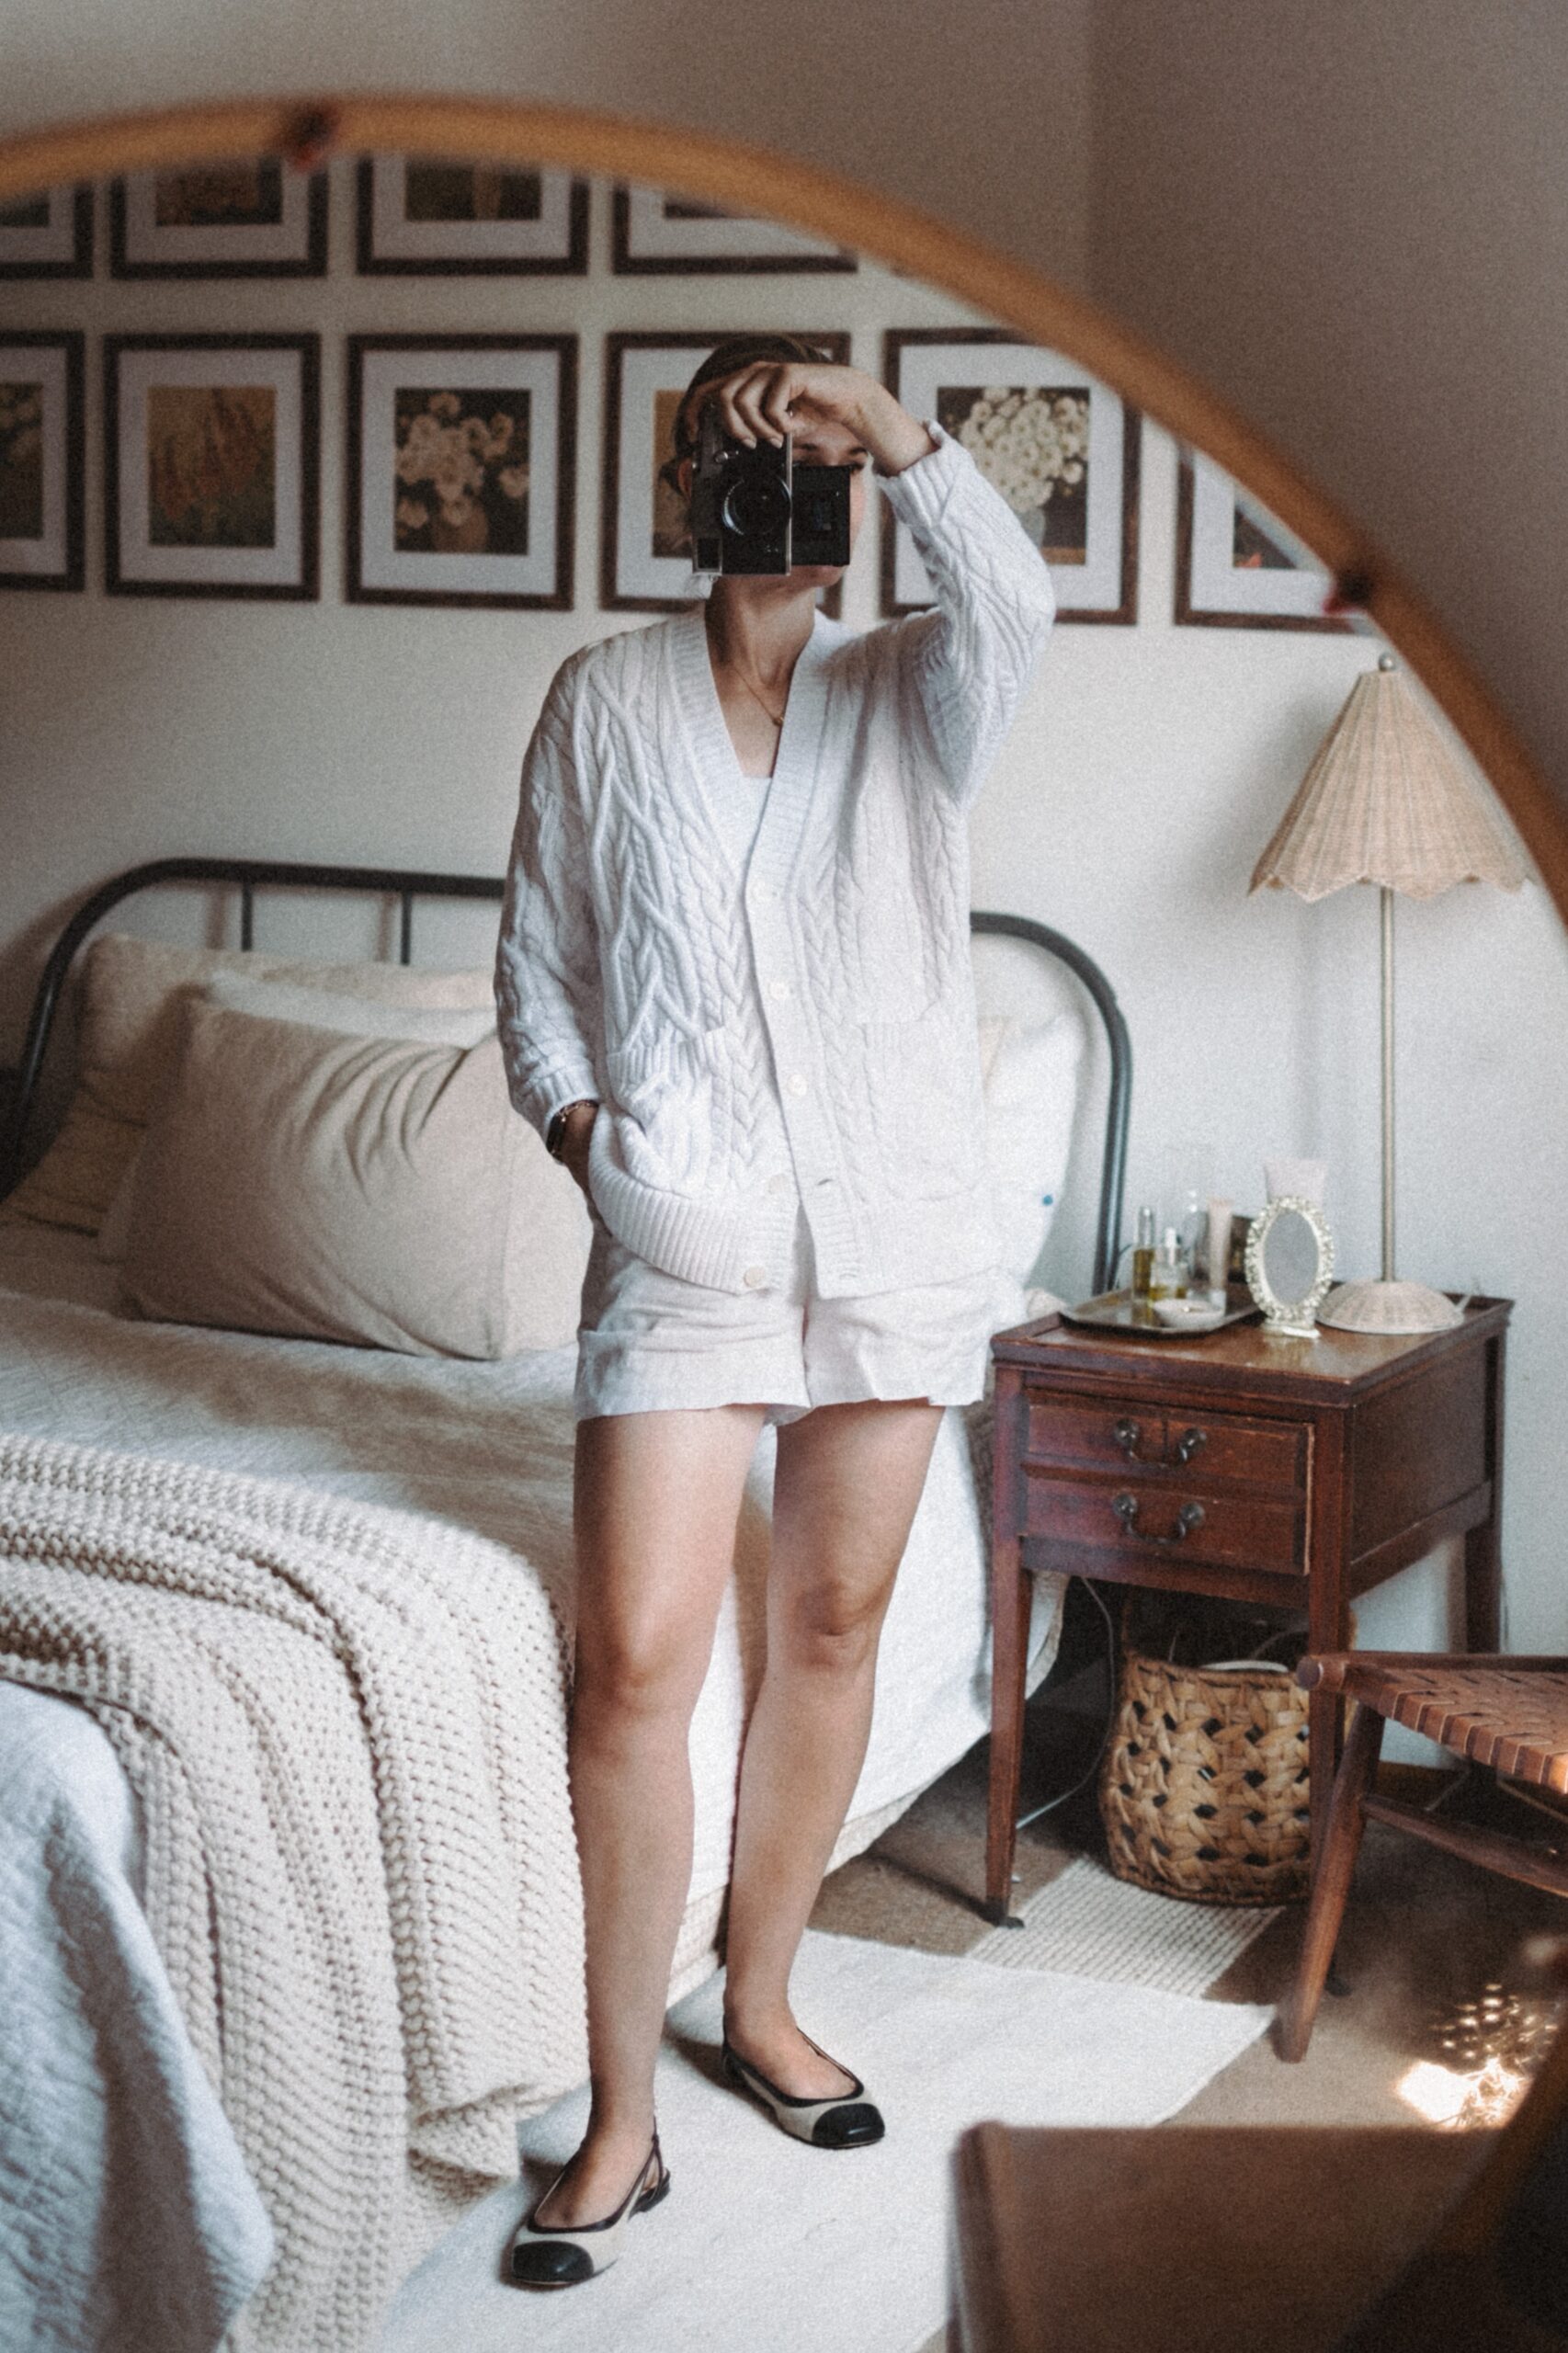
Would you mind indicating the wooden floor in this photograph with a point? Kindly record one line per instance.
(1425, 1935)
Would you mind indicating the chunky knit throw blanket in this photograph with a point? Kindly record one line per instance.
(346, 1728)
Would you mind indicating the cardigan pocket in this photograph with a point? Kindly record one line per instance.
(922, 1093)
(665, 1090)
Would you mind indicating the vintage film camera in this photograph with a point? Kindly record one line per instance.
(754, 510)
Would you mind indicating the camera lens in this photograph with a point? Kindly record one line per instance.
(755, 508)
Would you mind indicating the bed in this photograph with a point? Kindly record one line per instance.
(479, 1445)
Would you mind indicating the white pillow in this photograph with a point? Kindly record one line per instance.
(1030, 1072)
(314, 1008)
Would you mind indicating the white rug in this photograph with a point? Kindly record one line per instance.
(769, 2245)
(1088, 1924)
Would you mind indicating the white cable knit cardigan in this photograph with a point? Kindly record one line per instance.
(815, 1027)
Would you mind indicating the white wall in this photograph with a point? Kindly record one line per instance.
(1147, 770)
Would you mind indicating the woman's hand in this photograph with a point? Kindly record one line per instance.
(576, 1134)
(773, 398)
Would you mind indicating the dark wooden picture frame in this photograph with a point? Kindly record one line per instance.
(70, 574)
(628, 261)
(1267, 541)
(618, 346)
(560, 496)
(1121, 607)
(302, 494)
(78, 263)
(309, 263)
(572, 261)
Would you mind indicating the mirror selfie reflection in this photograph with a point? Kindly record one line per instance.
(695, 752)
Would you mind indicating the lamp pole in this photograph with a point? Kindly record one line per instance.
(1387, 896)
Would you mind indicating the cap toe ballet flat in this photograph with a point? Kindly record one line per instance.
(561, 2255)
(847, 2121)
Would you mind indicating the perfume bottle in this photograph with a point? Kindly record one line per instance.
(1172, 1269)
(1142, 1256)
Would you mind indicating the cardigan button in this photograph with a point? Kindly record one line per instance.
(781, 1183)
(754, 1276)
(796, 1082)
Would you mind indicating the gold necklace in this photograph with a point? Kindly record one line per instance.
(756, 693)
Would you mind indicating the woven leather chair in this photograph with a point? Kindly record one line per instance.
(1507, 1714)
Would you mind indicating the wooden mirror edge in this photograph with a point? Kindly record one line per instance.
(827, 204)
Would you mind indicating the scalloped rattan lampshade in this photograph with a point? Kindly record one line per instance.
(1386, 801)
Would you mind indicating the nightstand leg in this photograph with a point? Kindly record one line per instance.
(1010, 1595)
(1328, 1629)
(1482, 1550)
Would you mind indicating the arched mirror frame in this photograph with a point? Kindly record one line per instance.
(753, 179)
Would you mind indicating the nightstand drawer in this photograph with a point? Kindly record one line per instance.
(1143, 1437)
(1165, 1521)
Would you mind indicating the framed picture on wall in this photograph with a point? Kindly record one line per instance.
(1061, 446)
(654, 232)
(644, 565)
(463, 453)
(255, 218)
(49, 235)
(1237, 566)
(421, 217)
(211, 452)
(41, 450)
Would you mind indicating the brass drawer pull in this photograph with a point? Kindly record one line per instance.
(1188, 1445)
(1189, 1516)
(1127, 1434)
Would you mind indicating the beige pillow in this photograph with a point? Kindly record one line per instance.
(351, 1188)
(129, 996)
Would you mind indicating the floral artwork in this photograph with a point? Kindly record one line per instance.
(461, 475)
(1031, 442)
(211, 465)
(21, 461)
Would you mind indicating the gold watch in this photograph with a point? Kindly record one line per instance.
(557, 1128)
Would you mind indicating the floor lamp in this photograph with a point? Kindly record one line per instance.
(1385, 801)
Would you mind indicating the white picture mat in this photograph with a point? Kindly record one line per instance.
(1219, 585)
(42, 363)
(382, 563)
(277, 566)
(644, 371)
(288, 240)
(55, 241)
(651, 236)
(396, 238)
(926, 369)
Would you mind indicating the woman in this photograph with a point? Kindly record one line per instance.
(736, 999)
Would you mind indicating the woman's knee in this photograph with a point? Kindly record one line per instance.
(638, 1675)
(832, 1625)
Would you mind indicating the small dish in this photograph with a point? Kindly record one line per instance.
(1197, 1314)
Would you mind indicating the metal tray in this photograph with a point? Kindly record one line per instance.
(1111, 1311)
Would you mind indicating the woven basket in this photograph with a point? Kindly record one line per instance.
(1203, 1791)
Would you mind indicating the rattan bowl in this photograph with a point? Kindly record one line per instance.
(1203, 1793)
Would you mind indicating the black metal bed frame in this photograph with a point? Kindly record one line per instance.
(249, 875)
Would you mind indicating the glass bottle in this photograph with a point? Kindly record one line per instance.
(1171, 1271)
(1142, 1255)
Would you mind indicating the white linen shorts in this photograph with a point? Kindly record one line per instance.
(648, 1341)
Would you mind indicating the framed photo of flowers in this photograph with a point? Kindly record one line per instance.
(463, 453)
(1061, 446)
(211, 450)
(49, 235)
(421, 217)
(655, 233)
(41, 451)
(252, 217)
(1237, 566)
(644, 563)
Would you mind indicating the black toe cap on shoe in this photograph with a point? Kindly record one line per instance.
(537, 2263)
(854, 2125)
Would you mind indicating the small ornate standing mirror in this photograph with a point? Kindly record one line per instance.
(1289, 1265)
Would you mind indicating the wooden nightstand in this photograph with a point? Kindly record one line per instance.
(1299, 1472)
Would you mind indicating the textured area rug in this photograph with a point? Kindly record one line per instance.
(780, 2248)
(1087, 1924)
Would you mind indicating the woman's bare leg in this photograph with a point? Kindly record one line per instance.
(657, 1498)
(848, 1480)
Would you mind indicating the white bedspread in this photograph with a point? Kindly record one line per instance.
(451, 1439)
